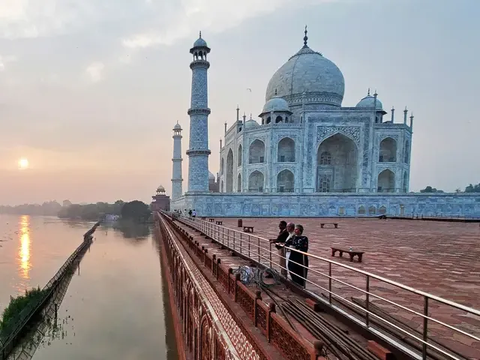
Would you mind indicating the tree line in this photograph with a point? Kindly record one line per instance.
(469, 189)
(136, 210)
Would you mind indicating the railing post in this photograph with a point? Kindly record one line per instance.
(330, 283)
(241, 243)
(270, 255)
(367, 302)
(258, 250)
(425, 328)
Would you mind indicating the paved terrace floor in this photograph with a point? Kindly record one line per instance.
(441, 258)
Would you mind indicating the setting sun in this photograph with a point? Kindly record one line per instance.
(23, 163)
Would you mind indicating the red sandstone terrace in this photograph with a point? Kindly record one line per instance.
(439, 258)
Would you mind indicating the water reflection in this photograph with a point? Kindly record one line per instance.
(132, 230)
(24, 252)
(46, 327)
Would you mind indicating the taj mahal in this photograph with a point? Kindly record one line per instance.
(308, 155)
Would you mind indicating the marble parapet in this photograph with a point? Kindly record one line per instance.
(330, 205)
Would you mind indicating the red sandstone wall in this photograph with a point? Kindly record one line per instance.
(195, 334)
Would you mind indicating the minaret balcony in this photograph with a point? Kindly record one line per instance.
(198, 152)
(198, 111)
(199, 64)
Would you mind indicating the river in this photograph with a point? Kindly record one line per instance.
(116, 306)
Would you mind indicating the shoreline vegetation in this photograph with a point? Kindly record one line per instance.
(17, 304)
(25, 309)
(134, 210)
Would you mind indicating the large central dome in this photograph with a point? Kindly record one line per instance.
(308, 72)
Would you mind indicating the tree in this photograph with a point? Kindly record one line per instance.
(136, 210)
(430, 189)
(473, 188)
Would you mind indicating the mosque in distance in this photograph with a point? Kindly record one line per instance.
(307, 155)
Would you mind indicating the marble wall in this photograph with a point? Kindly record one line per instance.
(331, 205)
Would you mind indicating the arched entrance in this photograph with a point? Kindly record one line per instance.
(337, 165)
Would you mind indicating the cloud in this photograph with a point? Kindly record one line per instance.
(95, 71)
(4, 60)
(33, 18)
(176, 22)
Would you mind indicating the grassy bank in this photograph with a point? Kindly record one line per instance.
(11, 314)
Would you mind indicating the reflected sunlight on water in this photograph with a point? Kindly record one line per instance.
(24, 252)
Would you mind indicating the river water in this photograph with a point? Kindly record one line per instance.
(116, 306)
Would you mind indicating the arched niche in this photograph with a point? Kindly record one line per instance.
(285, 181)
(256, 181)
(386, 181)
(286, 150)
(388, 150)
(240, 155)
(229, 171)
(239, 183)
(256, 152)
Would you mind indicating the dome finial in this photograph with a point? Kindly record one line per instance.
(368, 92)
(305, 38)
(200, 34)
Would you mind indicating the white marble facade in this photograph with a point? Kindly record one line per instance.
(306, 142)
(308, 155)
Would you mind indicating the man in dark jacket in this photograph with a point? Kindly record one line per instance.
(280, 240)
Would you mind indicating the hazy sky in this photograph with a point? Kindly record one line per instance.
(90, 89)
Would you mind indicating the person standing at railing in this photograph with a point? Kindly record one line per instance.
(298, 263)
(279, 242)
(291, 233)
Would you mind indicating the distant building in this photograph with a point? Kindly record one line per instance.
(111, 217)
(160, 200)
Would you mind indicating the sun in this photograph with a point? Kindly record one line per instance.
(23, 164)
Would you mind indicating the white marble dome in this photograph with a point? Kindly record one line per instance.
(369, 102)
(177, 127)
(310, 73)
(160, 189)
(275, 104)
(200, 43)
(249, 124)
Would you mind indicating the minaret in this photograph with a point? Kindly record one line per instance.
(177, 162)
(198, 152)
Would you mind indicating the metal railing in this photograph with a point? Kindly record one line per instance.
(259, 250)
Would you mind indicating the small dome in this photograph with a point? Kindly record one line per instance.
(275, 104)
(211, 176)
(369, 101)
(177, 127)
(251, 124)
(200, 42)
(160, 189)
